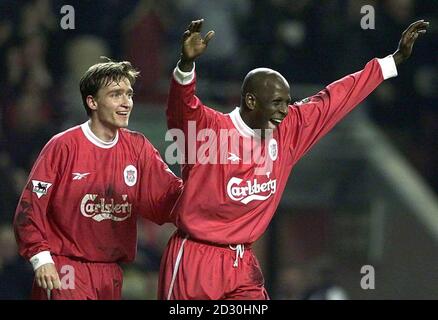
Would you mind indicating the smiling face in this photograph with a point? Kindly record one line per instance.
(272, 102)
(266, 96)
(113, 104)
(106, 90)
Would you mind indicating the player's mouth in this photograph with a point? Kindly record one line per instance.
(276, 121)
(123, 113)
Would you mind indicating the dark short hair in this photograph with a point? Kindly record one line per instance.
(102, 74)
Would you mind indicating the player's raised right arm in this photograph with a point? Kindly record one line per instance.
(193, 45)
(183, 105)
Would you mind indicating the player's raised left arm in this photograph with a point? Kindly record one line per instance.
(318, 114)
(408, 38)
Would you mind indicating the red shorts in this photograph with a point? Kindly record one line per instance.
(81, 280)
(195, 270)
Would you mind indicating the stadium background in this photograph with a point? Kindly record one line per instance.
(366, 195)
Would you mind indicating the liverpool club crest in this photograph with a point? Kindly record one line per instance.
(130, 175)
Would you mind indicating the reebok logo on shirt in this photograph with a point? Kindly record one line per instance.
(233, 157)
(79, 176)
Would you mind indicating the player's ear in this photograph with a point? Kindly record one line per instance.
(250, 101)
(91, 102)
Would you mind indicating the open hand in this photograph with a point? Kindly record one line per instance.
(193, 45)
(47, 277)
(407, 40)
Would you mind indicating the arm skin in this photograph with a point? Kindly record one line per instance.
(407, 40)
(193, 45)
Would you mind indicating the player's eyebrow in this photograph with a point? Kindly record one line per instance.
(281, 99)
(121, 90)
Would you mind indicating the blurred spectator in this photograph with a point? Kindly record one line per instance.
(283, 43)
(144, 43)
(323, 284)
(36, 17)
(13, 180)
(226, 59)
(80, 53)
(16, 275)
(30, 120)
(102, 19)
(312, 280)
(141, 277)
(292, 281)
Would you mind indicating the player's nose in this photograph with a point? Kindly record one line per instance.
(126, 102)
(284, 108)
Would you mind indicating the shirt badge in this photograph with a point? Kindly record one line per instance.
(273, 149)
(40, 188)
(130, 175)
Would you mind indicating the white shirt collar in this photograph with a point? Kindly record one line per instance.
(240, 125)
(95, 140)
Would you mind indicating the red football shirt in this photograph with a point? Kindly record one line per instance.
(84, 195)
(233, 202)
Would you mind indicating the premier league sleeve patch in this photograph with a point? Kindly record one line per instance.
(40, 188)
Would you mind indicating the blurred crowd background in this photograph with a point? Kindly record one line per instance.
(308, 41)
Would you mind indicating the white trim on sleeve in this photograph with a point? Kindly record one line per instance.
(41, 258)
(183, 77)
(389, 69)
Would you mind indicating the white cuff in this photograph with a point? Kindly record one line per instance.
(41, 258)
(184, 77)
(389, 69)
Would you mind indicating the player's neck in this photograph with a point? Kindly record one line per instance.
(249, 121)
(104, 133)
(246, 119)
